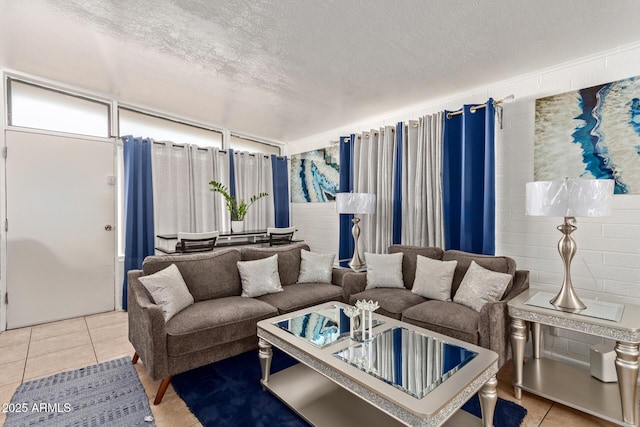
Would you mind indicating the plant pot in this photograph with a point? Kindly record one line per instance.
(237, 226)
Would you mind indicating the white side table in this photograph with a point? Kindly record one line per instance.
(570, 385)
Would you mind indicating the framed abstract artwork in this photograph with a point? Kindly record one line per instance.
(315, 175)
(590, 133)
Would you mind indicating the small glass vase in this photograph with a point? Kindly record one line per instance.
(366, 322)
(354, 322)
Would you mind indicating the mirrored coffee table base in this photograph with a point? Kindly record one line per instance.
(321, 402)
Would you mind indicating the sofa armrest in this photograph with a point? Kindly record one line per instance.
(493, 330)
(494, 319)
(353, 283)
(520, 284)
(147, 328)
(337, 275)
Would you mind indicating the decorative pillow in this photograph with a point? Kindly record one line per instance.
(168, 290)
(260, 277)
(384, 270)
(315, 268)
(480, 286)
(434, 278)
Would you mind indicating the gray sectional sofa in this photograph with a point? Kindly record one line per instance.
(488, 328)
(220, 323)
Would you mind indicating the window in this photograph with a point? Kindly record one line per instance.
(161, 129)
(36, 107)
(144, 125)
(252, 146)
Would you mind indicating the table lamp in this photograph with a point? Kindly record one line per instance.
(569, 198)
(355, 203)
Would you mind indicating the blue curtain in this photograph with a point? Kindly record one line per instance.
(468, 180)
(138, 206)
(346, 244)
(397, 187)
(280, 190)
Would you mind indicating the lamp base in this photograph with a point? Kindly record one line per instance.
(358, 267)
(567, 300)
(356, 264)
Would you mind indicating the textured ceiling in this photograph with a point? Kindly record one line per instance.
(286, 69)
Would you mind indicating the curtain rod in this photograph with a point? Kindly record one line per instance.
(172, 143)
(393, 129)
(206, 149)
(473, 109)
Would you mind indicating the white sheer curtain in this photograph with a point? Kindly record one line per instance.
(183, 201)
(422, 218)
(171, 165)
(373, 166)
(209, 210)
(253, 175)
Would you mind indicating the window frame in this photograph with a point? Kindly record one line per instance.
(8, 116)
(255, 141)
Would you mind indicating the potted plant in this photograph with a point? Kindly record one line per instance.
(237, 208)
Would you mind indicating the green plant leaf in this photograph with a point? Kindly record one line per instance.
(237, 209)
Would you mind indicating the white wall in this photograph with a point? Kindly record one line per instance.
(317, 225)
(607, 264)
(3, 234)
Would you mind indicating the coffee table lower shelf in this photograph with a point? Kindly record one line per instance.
(574, 387)
(321, 402)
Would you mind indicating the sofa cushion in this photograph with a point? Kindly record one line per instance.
(315, 267)
(195, 329)
(434, 278)
(259, 277)
(501, 264)
(288, 260)
(447, 318)
(301, 295)
(393, 301)
(384, 270)
(168, 290)
(410, 258)
(207, 275)
(481, 286)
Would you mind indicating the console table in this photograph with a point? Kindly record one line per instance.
(167, 242)
(567, 384)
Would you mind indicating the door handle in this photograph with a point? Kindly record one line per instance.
(108, 227)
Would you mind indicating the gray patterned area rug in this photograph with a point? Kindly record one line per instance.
(106, 394)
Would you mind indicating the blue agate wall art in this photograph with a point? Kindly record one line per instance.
(315, 175)
(590, 133)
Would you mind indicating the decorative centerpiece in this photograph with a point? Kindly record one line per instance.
(237, 208)
(353, 313)
(366, 322)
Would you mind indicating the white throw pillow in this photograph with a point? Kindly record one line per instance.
(168, 290)
(260, 277)
(384, 270)
(480, 286)
(434, 278)
(315, 268)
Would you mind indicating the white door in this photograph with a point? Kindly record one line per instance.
(60, 238)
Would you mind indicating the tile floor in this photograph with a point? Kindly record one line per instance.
(42, 350)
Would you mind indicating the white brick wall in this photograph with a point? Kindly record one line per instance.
(607, 264)
(317, 225)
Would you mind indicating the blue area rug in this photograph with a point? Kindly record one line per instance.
(228, 393)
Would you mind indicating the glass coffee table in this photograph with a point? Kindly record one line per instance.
(404, 375)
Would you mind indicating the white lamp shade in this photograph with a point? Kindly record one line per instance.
(355, 203)
(570, 197)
